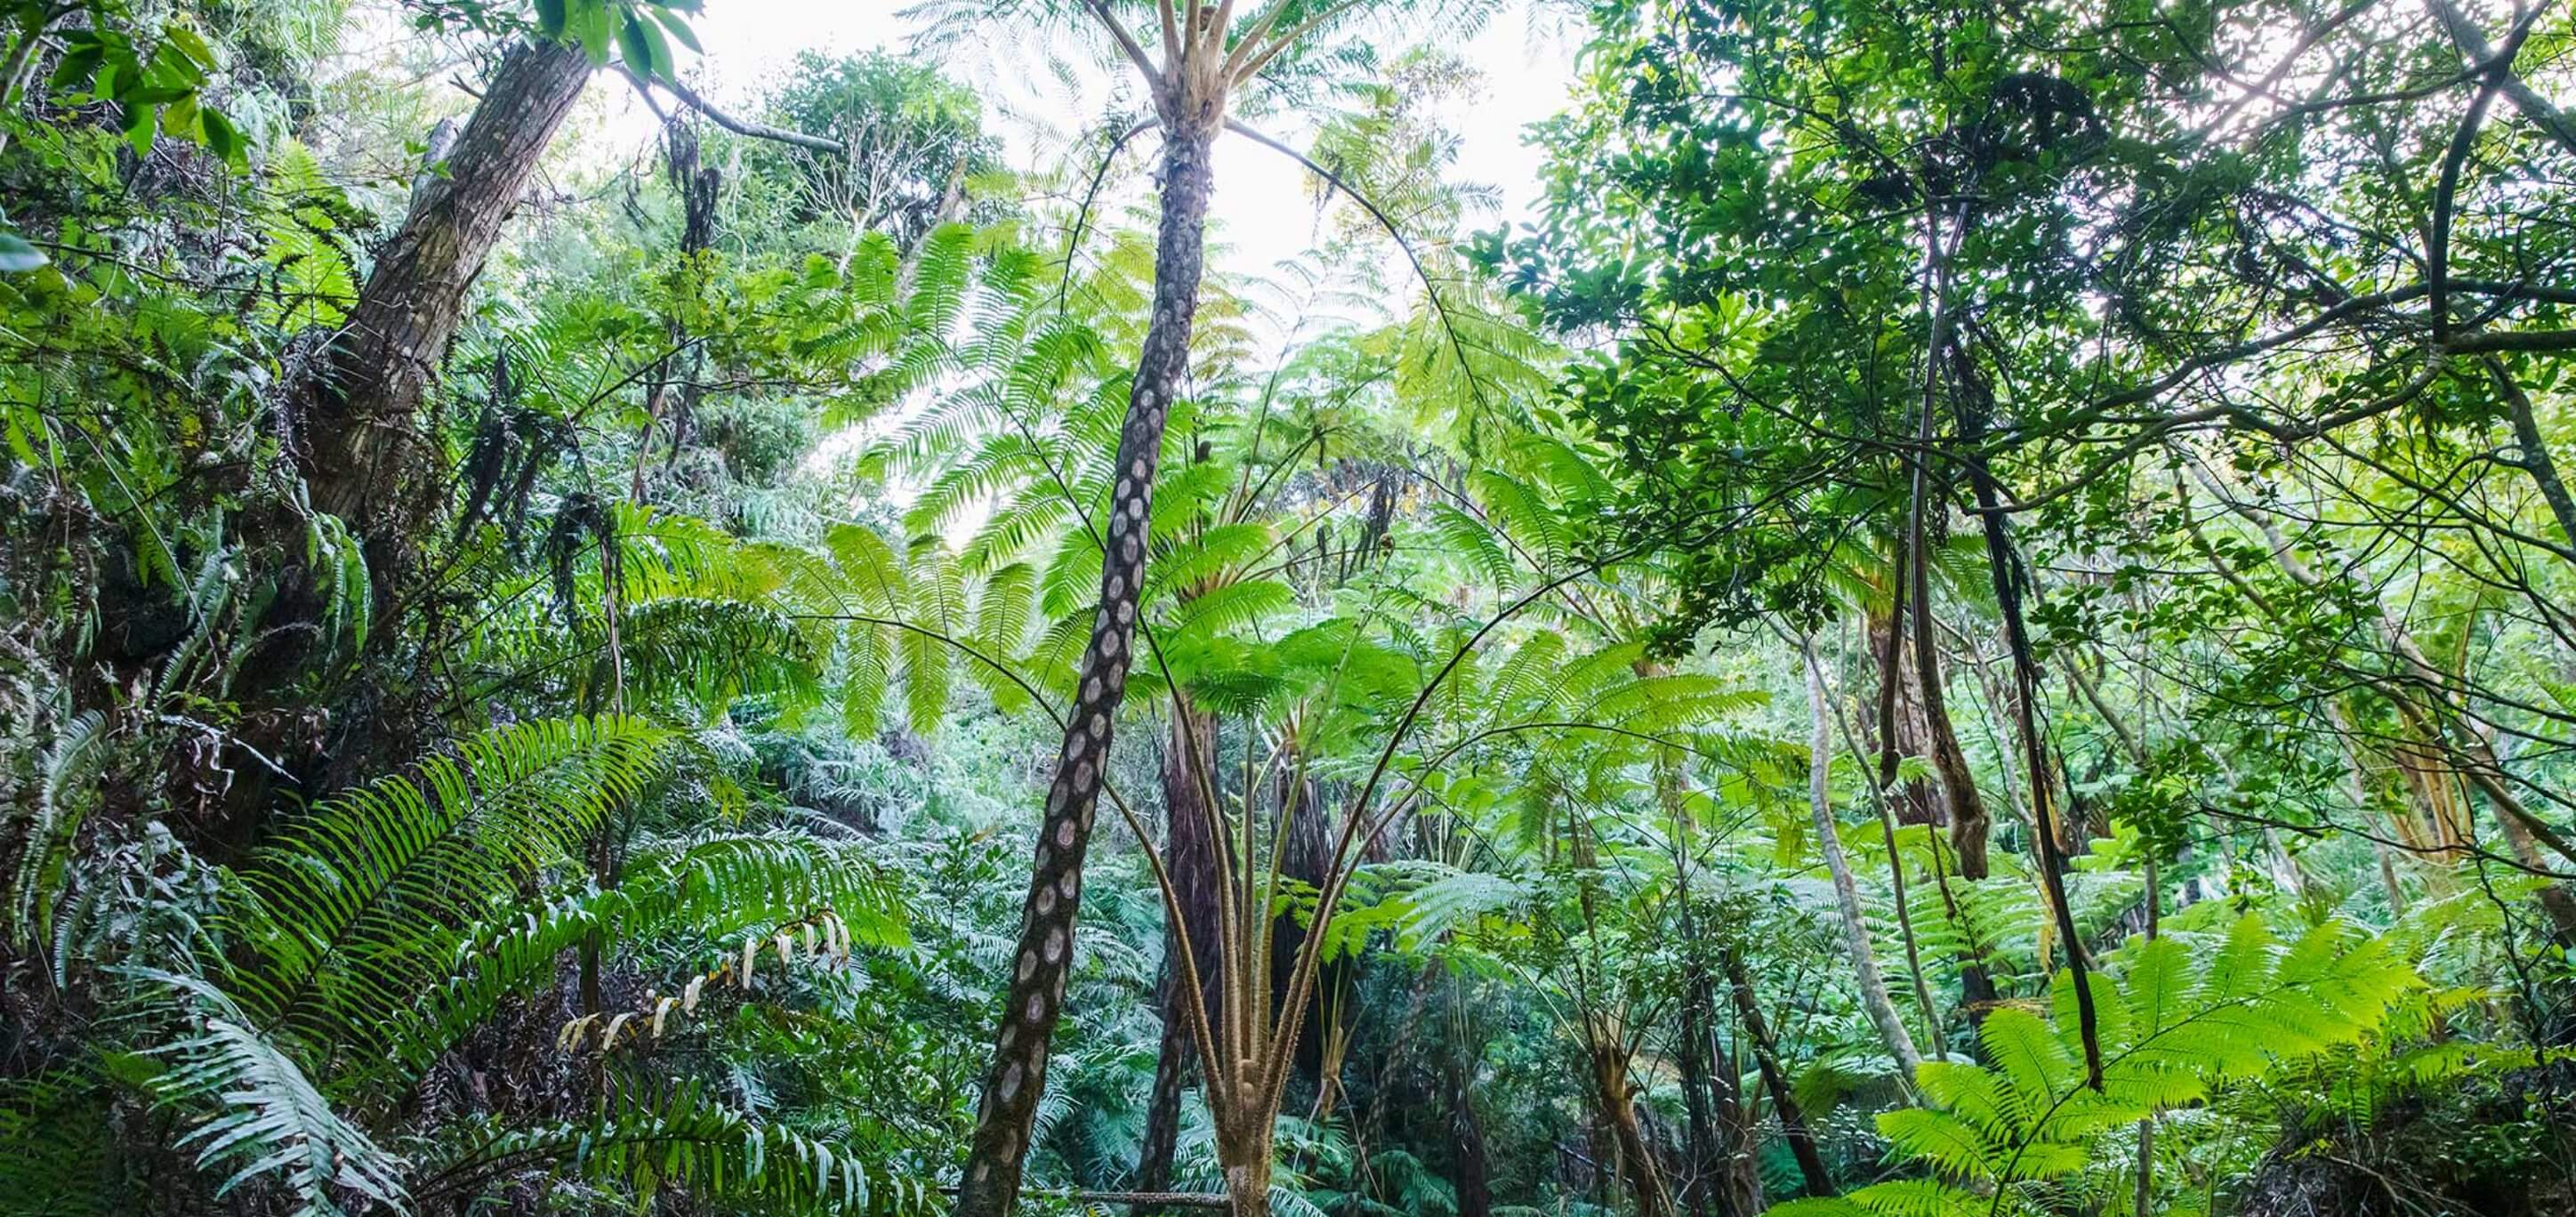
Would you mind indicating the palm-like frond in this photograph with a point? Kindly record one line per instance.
(2181, 1022)
(712, 889)
(351, 908)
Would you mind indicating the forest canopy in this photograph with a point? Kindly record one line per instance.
(1953, 609)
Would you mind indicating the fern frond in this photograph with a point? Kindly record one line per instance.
(684, 1139)
(349, 910)
(267, 1118)
(42, 842)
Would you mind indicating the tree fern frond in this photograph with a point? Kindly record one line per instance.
(712, 651)
(2172, 1028)
(1473, 542)
(1231, 607)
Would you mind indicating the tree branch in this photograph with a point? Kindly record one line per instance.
(739, 126)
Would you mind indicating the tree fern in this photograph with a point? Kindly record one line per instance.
(705, 653)
(1476, 542)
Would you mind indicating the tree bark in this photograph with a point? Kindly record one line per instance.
(363, 446)
(2003, 567)
(1247, 1177)
(1609, 1061)
(2470, 757)
(2535, 459)
(1163, 1110)
(1873, 986)
(1036, 994)
(1970, 823)
(1475, 1190)
(2560, 126)
(1305, 844)
(1900, 728)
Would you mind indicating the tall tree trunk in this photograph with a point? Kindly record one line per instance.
(1189, 856)
(1784, 1101)
(2146, 1183)
(1045, 956)
(361, 437)
(2003, 567)
(1902, 729)
(1970, 822)
(1873, 986)
(1703, 1163)
(2469, 755)
(1163, 1110)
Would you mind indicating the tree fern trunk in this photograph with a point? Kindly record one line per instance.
(1619, 1111)
(1724, 1181)
(1475, 1190)
(1045, 955)
(1247, 1178)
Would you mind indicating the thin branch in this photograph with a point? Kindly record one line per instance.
(739, 126)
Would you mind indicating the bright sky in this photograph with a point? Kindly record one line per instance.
(1262, 211)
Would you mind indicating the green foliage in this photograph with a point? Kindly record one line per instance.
(154, 76)
(351, 908)
(684, 1139)
(915, 145)
(640, 32)
(269, 1117)
(2181, 1022)
(643, 824)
